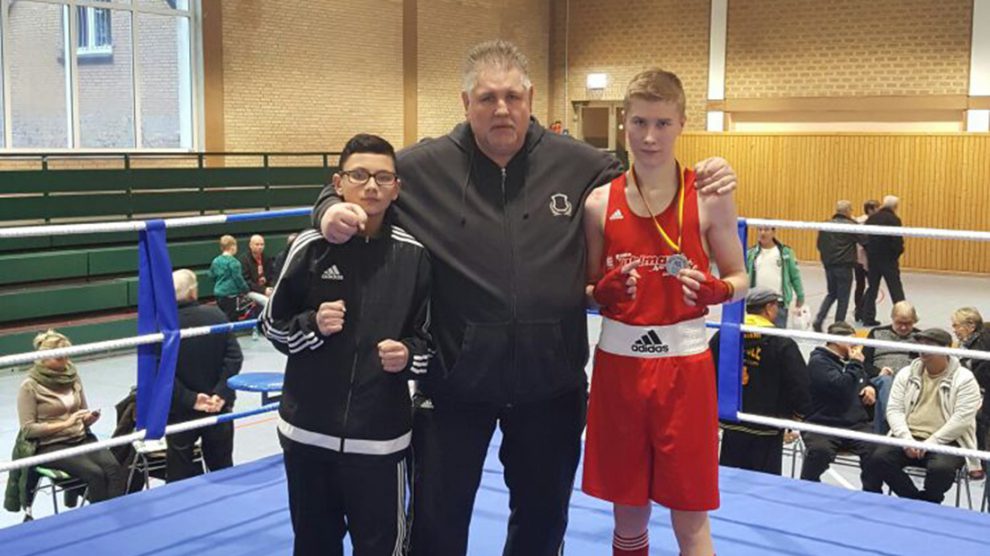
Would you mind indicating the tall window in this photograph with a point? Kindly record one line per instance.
(95, 33)
(83, 77)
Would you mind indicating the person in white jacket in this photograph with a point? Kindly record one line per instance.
(934, 400)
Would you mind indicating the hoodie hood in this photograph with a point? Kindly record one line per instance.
(463, 137)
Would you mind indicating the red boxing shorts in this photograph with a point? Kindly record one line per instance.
(653, 418)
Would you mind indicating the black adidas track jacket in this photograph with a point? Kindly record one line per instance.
(336, 396)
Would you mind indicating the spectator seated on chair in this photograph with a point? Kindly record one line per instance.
(775, 384)
(967, 324)
(934, 400)
(54, 414)
(200, 389)
(883, 363)
(840, 394)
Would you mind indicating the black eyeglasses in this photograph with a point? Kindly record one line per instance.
(360, 176)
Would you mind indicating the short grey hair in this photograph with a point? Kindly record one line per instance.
(185, 283)
(498, 53)
(891, 201)
(844, 207)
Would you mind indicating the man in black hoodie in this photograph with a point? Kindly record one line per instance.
(840, 393)
(498, 203)
(838, 253)
(883, 254)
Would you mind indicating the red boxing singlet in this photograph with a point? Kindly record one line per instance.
(659, 299)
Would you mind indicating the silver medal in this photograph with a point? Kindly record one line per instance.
(675, 263)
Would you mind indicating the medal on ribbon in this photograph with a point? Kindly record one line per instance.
(675, 263)
(678, 261)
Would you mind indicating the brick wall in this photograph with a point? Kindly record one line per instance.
(798, 48)
(303, 75)
(623, 38)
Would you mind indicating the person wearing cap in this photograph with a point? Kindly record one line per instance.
(775, 384)
(840, 395)
(934, 400)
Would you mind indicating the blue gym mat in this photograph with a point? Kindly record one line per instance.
(242, 512)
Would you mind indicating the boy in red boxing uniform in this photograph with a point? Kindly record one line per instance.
(652, 417)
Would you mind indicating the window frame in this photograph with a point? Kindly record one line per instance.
(91, 24)
(191, 131)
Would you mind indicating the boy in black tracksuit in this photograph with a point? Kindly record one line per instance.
(353, 319)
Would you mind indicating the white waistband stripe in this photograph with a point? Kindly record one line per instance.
(671, 340)
(346, 446)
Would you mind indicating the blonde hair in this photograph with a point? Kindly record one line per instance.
(184, 281)
(904, 308)
(50, 339)
(970, 316)
(499, 54)
(656, 85)
(226, 242)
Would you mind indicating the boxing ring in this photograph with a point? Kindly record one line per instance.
(243, 510)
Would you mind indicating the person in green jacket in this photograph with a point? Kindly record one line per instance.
(228, 282)
(772, 264)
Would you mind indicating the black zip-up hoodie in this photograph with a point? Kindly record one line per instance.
(509, 256)
(335, 385)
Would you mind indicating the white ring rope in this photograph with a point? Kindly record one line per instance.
(108, 345)
(42, 459)
(930, 233)
(131, 225)
(864, 436)
(869, 342)
(137, 225)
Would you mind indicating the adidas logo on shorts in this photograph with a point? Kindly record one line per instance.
(332, 274)
(650, 343)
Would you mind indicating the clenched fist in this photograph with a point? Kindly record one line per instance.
(394, 355)
(330, 317)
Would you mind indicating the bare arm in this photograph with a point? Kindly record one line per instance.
(719, 224)
(594, 233)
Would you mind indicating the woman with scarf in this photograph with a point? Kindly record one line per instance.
(53, 413)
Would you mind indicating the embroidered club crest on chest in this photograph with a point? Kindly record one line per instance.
(560, 205)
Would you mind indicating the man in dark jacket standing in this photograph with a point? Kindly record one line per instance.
(200, 390)
(498, 203)
(775, 384)
(838, 254)
(840, 394)
(883, 254)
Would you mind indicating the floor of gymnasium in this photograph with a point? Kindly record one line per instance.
(107, 380)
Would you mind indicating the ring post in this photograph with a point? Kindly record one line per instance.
(730, 352)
